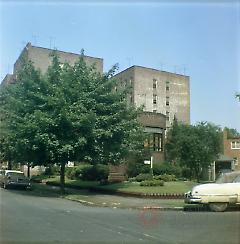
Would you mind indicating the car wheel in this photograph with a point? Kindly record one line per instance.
(218, 207)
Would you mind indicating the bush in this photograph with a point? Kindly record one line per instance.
(143, 177)
(75, 173)
(52, 170)
(152, 183)
(136, 168)
(187, 173)
(165, 177)
(167, 168)
(133, 179)
(97, 172)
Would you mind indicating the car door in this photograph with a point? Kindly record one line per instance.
(236, 187)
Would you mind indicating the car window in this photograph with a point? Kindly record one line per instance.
(14, 174)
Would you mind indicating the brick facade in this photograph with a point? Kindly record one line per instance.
(231, 148)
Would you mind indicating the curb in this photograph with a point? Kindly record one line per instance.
(91, 204)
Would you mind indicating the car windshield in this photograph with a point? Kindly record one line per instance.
(227, 178)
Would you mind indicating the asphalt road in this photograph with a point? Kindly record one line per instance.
(31, 219)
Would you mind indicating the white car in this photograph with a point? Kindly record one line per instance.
(217, 195)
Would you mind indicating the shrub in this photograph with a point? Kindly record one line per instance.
(133, 179)
(143, 177)
(52, 170)
(167, 168)
(75, 173)
(135, 164)
(136, 168)
(96, 172)
(165, 177)
(152, 183)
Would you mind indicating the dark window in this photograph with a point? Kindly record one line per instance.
(154, 83)
(154, 142)
(154, 99)
(167, 115)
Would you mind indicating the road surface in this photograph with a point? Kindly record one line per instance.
(30, 219)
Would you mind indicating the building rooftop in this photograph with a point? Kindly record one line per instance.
(156, 70)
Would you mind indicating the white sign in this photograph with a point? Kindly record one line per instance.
(147, 162)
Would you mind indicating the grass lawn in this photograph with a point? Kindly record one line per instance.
(169, 187)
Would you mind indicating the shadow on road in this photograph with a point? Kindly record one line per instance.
(205, 208)
(42, 190)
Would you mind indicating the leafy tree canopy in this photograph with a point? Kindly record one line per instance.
(194, 147)
(70, 113)
(232, 133)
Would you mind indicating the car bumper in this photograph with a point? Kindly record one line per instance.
(188, 198)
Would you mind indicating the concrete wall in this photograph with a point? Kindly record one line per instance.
(42, 60)
(178, 94)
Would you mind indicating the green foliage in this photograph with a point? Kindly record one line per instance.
(72, 113)
(167, 168)
(135, 164)
(165, 177)
(95, 172)
(75, 173)
(194, 147)
(52, 170)
(232, 133)
(238, 96)
(152, 183)
(143, 177)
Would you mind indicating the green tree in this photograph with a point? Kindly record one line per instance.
(232, 133)
(238, 96)
(71, 113)
(194, 147)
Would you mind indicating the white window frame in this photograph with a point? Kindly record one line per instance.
(235, 145)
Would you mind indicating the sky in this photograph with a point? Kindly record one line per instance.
(199, 39)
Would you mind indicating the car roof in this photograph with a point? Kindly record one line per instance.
(13, 171)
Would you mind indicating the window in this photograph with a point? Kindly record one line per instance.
(237, 179)
(167, 101)
(154, 99)
(157, 142)
(167, 115)
(154, 83)
(153, 142)
(167, 85)
(235, 145)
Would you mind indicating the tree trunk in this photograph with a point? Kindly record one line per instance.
(9, 165)
(28, 170)
(62, 177)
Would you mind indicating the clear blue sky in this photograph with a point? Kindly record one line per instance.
(204, 38)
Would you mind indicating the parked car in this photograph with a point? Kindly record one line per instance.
(217, 195)
(13, 178)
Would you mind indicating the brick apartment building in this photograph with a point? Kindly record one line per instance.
(231, 148)
(230, 159)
